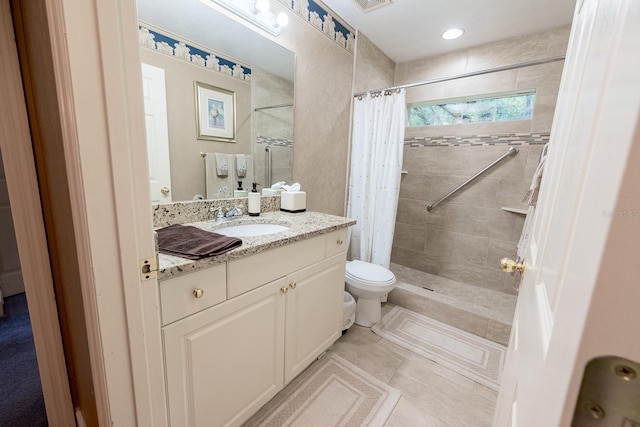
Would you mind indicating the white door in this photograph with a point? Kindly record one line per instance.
(155, 112)
(591, 141)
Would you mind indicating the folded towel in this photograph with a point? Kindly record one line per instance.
(241, 165)
(191, 242)
(222, 168)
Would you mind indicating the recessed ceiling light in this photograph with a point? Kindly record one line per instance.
(453, 33)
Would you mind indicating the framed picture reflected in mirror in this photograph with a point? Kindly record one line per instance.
(216, 113)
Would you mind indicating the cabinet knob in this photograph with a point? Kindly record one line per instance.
(339, 241)
(293, 285)
(198, 293)
(284, 289)
(164, 190)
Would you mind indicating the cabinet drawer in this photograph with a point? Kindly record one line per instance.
(336, 242)
(248, 273)
(178, 295)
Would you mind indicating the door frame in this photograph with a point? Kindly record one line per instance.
(98, 80)
(98, 58)
(22, 186)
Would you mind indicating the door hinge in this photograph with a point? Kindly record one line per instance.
(148, 269)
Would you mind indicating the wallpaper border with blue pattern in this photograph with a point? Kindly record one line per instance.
(172, 45)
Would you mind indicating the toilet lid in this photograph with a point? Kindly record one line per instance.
(367, 272)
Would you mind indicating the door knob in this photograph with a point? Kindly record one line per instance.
(509, 266)
(164, 190)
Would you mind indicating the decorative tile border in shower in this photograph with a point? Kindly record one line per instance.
(498, 139)
(279, 142)
(324, 20)
(172, 45)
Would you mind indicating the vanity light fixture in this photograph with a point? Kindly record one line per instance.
(261, 6)
(255, 11)
(453, 33)
(282, 19)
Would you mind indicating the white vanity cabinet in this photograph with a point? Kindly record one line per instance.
(313, 313)
(224, 362)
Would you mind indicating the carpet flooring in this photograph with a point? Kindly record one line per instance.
(332, 392)
(21, 401)
(471, 356)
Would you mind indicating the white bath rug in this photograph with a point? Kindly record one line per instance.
(469, 355)
(331, 392)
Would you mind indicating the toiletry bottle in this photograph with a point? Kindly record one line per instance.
(254, 201)
(239, 192)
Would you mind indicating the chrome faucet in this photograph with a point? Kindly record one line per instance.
(235, 211)
(220, 214)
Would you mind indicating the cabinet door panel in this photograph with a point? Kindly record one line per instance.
(314, 313)
(226, 362)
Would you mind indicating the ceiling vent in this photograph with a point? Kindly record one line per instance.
(369, 5)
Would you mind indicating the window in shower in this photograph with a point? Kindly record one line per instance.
(484, 108)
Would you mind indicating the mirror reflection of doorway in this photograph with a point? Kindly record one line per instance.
(21, 398)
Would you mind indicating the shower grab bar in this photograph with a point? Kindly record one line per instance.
(512, 151)
(269, 165)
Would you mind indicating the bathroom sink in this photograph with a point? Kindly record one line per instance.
(247, 230)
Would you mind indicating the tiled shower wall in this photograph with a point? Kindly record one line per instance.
(465, 237)
(272, 127)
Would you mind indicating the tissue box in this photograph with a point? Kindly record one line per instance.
(293, 201)
(270, 192)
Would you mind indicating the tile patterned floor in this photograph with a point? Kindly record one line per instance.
(432, 396)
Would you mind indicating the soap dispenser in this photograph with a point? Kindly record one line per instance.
(239, 192)
(254, 201)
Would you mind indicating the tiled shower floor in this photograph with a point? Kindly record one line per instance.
(483, 312)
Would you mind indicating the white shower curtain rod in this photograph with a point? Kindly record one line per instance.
(471, 74)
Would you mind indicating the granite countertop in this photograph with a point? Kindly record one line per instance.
(303, 225)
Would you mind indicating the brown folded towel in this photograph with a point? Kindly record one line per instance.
(193, 243)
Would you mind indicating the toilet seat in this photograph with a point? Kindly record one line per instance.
(364, 273)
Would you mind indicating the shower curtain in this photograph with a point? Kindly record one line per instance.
(374, 182)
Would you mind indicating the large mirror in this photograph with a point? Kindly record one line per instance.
(188, 47)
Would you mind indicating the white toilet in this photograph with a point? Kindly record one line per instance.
(368, 283)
